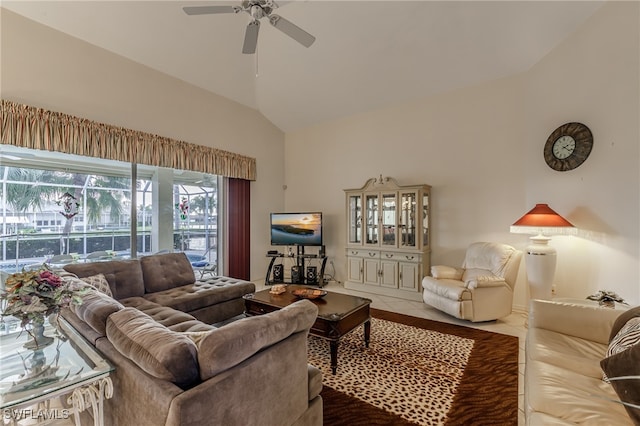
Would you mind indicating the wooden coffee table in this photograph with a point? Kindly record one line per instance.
(338, 314)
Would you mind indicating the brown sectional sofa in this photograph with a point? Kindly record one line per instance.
(174, 367)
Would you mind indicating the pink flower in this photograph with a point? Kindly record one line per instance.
(50, 278)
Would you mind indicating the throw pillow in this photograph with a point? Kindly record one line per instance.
(622, 365)
(622, 319)
(100, 283)
(95, 309)
(628, 336)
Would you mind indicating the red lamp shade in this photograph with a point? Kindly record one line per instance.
(541, 257)
(543, 216)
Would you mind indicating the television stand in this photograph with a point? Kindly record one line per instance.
(307, 268)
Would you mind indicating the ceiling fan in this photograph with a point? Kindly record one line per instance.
(257, 9)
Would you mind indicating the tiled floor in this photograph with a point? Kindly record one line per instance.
(513, 325)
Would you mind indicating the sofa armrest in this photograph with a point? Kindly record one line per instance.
(586, 322)
(477, 278)
(225, 347)
(261, 379)
(442, 272)
(486, 283)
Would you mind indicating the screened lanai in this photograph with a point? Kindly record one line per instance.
(59, 207)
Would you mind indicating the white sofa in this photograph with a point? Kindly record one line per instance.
(563, 376)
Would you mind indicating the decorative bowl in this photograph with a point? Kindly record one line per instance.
(309, 293)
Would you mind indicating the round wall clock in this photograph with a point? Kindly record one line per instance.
(568, 146)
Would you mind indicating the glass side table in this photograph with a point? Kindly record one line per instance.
(30, 379)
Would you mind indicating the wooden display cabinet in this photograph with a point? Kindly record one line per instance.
(388, 241)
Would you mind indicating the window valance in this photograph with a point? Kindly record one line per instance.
(37, 128)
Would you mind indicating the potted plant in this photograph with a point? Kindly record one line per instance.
(607, 298)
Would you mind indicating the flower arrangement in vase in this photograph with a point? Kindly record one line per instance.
(31, 296)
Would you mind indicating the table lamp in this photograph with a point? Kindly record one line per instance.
(541, 221)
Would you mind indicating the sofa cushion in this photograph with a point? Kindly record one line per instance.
(165, 271)
(625, 363)
(95, 308)
(173, 319)
(160, 352)
(202, 294)
(228, 346)
(571, 397)
(124, 276)
(488, 255)
(99, 282)
(571, 353)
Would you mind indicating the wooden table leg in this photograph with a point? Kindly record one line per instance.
(367, 332)
(333, 345)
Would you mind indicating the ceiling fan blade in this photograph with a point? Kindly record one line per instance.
(292, 30)
(251, 37)
(206, 10)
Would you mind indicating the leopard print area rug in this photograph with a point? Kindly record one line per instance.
(419, 372)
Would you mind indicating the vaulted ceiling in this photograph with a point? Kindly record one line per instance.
(367, 54)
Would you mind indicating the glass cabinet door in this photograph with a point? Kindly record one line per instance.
(355, 219)
(408, 203)
(371, 212)
(389, 219)
(425, 220)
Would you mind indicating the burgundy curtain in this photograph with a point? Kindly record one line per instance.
(239, 192)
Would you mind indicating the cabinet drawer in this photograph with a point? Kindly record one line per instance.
(364, 253)
(409, 257)
(401, 256)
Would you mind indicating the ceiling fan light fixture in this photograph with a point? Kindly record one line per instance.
(257, 9)
(256, 12)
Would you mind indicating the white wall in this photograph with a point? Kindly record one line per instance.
(46, 68)
(594, 78)
(481, 150)
(467, 145)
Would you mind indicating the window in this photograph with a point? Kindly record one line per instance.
(53, 203)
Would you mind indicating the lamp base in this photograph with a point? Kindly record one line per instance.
(541, 267)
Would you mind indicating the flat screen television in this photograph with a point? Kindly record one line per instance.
(296, 229)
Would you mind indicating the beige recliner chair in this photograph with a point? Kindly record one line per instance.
(482, 289)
